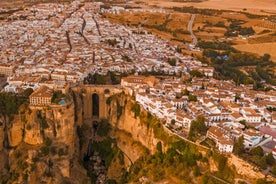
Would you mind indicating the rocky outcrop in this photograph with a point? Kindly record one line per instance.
(16, 131)
(129, 146)
(126, 121)
(243, 168)
(44, 145)
(33, 127)
(62, 128)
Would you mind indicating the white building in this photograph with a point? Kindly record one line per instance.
(251, 138)
(224, 142)
(250, 115)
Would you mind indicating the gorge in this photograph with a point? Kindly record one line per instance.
(102, 135)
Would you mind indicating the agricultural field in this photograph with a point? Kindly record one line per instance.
(260, 48)
(251, 6)
(166, 25)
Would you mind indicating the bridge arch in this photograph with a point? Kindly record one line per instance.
(94, 100)
(95, 105)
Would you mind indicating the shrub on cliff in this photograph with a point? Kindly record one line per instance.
(103, 129)
(47, 141)
(44, 150)
(119, 109)
(136, 109)
(177, 162)
(105, 149)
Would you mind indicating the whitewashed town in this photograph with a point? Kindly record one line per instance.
(55, 46)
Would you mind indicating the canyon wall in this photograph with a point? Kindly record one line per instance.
(125, 120)
(44, 145)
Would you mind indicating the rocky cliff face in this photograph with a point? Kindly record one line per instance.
(44, 146)
(122, 118)
(33, 125)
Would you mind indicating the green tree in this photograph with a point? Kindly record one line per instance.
(198, 128)
(239, 146)
(172, 61)
(266, 57)
(159, 147)
(57, 96)
(173, 121)
(270, 159)
(9, 104)
(273, 170)
(99, 79)
(192, 98)
(196, 73)
(262, 163)
(113, 78)
(136, 109)
(221, 160)
(27, 92)
(257, 151)
(186, 92)
(262, 181)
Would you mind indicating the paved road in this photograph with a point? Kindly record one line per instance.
(242, 180)
(190, 29)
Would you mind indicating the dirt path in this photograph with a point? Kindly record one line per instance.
(190, 29)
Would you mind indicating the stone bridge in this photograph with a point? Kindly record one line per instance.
(94, 99)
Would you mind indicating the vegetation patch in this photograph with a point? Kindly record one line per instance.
(136, 109)
(224, 171)
(119, 109)
(154, 123)
(198, 128)
(227, 63)
(103, 128)
(208, 143)
(177, 162)
(10, 103)
(106, 149)
(58, 96)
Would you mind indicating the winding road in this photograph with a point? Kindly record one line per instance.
(190, 29)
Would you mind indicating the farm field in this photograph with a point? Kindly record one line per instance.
(259, 49)
(252, 6)
(166, 25)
